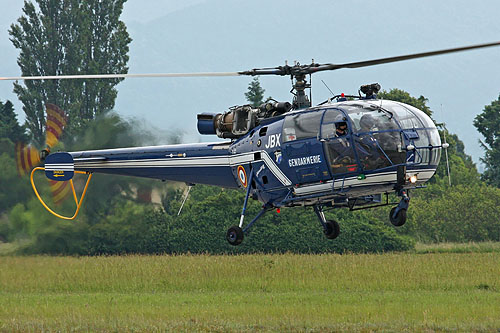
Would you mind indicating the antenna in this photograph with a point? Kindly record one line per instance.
(331, 92)
(310, 84)
(185, 198)
(310, 89)
(446, 145)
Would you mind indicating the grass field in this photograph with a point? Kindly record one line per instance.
(387, 292)
(482, 247)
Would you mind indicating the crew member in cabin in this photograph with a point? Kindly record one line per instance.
(341, 129)
(340, 150)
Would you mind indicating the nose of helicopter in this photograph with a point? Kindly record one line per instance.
(379, 137)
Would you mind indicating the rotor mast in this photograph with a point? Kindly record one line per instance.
(300, 99)
(297, 74)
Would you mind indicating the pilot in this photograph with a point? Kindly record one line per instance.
(389, 140)
(340, 149)
(366, 123)
(367, 146)
(340, 129)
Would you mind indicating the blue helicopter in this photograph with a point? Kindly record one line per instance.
(348, 151)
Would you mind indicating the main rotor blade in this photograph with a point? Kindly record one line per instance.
(380, 61)
(281, 70)
(118, 76)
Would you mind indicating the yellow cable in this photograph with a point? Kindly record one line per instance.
(78, 203)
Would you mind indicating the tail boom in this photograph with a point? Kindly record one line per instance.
(191, 163)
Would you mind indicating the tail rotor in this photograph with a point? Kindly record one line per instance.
(55, 123)
(28, 156)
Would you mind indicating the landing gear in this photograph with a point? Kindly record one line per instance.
(397, 216)
(235, 235)
(331, 228)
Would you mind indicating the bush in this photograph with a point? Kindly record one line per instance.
(202, 226)
(66, 238)
(455, 214)
(120, 233)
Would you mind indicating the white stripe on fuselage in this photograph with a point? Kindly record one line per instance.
(244, 158)
(205, 161)
(371, 179)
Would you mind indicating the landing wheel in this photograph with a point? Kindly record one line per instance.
(234, 235)
(400, 218)
(332, 229)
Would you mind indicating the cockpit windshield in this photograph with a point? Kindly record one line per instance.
(425, 119)
(371, 119)
(378, 135)
(377, 140)
(420, 132)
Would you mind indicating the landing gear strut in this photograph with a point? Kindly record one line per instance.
(331, 228)
(236, 233)
(397, 216)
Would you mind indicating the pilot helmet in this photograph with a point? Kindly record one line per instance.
(366, 122)
(341, 125)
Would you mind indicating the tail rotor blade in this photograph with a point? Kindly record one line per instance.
(27, 157)
(56, 121)
(60, 190)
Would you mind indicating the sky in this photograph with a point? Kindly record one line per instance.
(235, 35)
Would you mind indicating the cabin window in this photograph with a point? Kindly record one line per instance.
(435, 140)
(406, 118)
(423, 153)
(379, 150)
(341, 156)
(302, 125)
(332, 120)
(336, 134)
(424, 118)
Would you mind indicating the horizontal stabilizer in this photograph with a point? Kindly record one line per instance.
(59, 166)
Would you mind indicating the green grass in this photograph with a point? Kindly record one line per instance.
(8, 248)
(480, 247)
(389, 292)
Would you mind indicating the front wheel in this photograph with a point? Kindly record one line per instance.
(400, 217)
(332, 229)
(234, 235)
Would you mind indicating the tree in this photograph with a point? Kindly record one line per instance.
(255, 93)
(13, 190)
(462, 169)
(69, 37)
(9, 126)
(488, 124)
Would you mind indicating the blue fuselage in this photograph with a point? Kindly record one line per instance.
(294, 158)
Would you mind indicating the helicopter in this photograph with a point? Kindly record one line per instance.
(346, 152)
